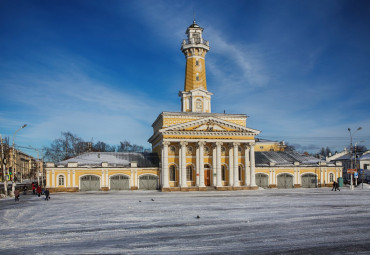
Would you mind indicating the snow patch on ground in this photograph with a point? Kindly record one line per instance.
(263, 221)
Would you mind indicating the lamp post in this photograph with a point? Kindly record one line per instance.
(14, 163)
(351, 151)
(5, 179)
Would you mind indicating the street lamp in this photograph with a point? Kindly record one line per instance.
(14, 163)
(351, 151)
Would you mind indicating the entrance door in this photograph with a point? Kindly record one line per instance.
(262, 180)
(285, 181)
(119, 182)
(207, 177)
(148, 182)
(90, 183)
(309, 181)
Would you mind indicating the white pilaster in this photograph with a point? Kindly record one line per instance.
(53, 178)
(69, 178)
(107, 178)
(201, 163)
(236, 164)
(253, 167)
(132, 178)
(102, 179)
(218, 164)
(47, 179)
(247, 169)
(183, 164)
(231, 165)
(74, 178)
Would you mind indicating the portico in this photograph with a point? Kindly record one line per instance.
(237, 164)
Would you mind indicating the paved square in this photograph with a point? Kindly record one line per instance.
(296, 221)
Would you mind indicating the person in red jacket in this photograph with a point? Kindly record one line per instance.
(33, 189)
(39, 190)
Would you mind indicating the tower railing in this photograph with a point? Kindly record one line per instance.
(195, 41)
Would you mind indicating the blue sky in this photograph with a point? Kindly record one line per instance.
(104, 70)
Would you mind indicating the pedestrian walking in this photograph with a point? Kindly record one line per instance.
(337, 186)
(16, 195)
(334, 186)
(47, 194)
(38, 191)
(25, 190)
(33, 189)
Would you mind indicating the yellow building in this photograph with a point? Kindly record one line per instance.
(94, 171)
(195, 149)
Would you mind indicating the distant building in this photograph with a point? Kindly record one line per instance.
(196, 149)
(21, 164)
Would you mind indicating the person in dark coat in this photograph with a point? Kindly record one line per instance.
(334, 186)
(38, 191)
(46, 192)
(16, 195)
(337, 186)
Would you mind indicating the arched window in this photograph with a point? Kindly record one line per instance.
(189, 150)
(331, 177)
(223, 173)
(172, 149)
(172, 173)
(189, 173)
(61, 180)
(240, 172)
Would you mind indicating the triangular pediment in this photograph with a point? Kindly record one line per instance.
(210, 124)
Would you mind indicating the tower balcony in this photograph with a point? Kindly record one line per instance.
(195, 43)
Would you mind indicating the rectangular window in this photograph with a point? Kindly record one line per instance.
(197, 62)
(61, 180)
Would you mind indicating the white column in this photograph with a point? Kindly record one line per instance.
(74, 178)
(197, 167)
(299, 176)
(231, 165)
(183, 164)
(253, 167)
(165, 183)
(218, 164)
(236, 164)
(201, 163)
(247, 170)
(213, 177)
